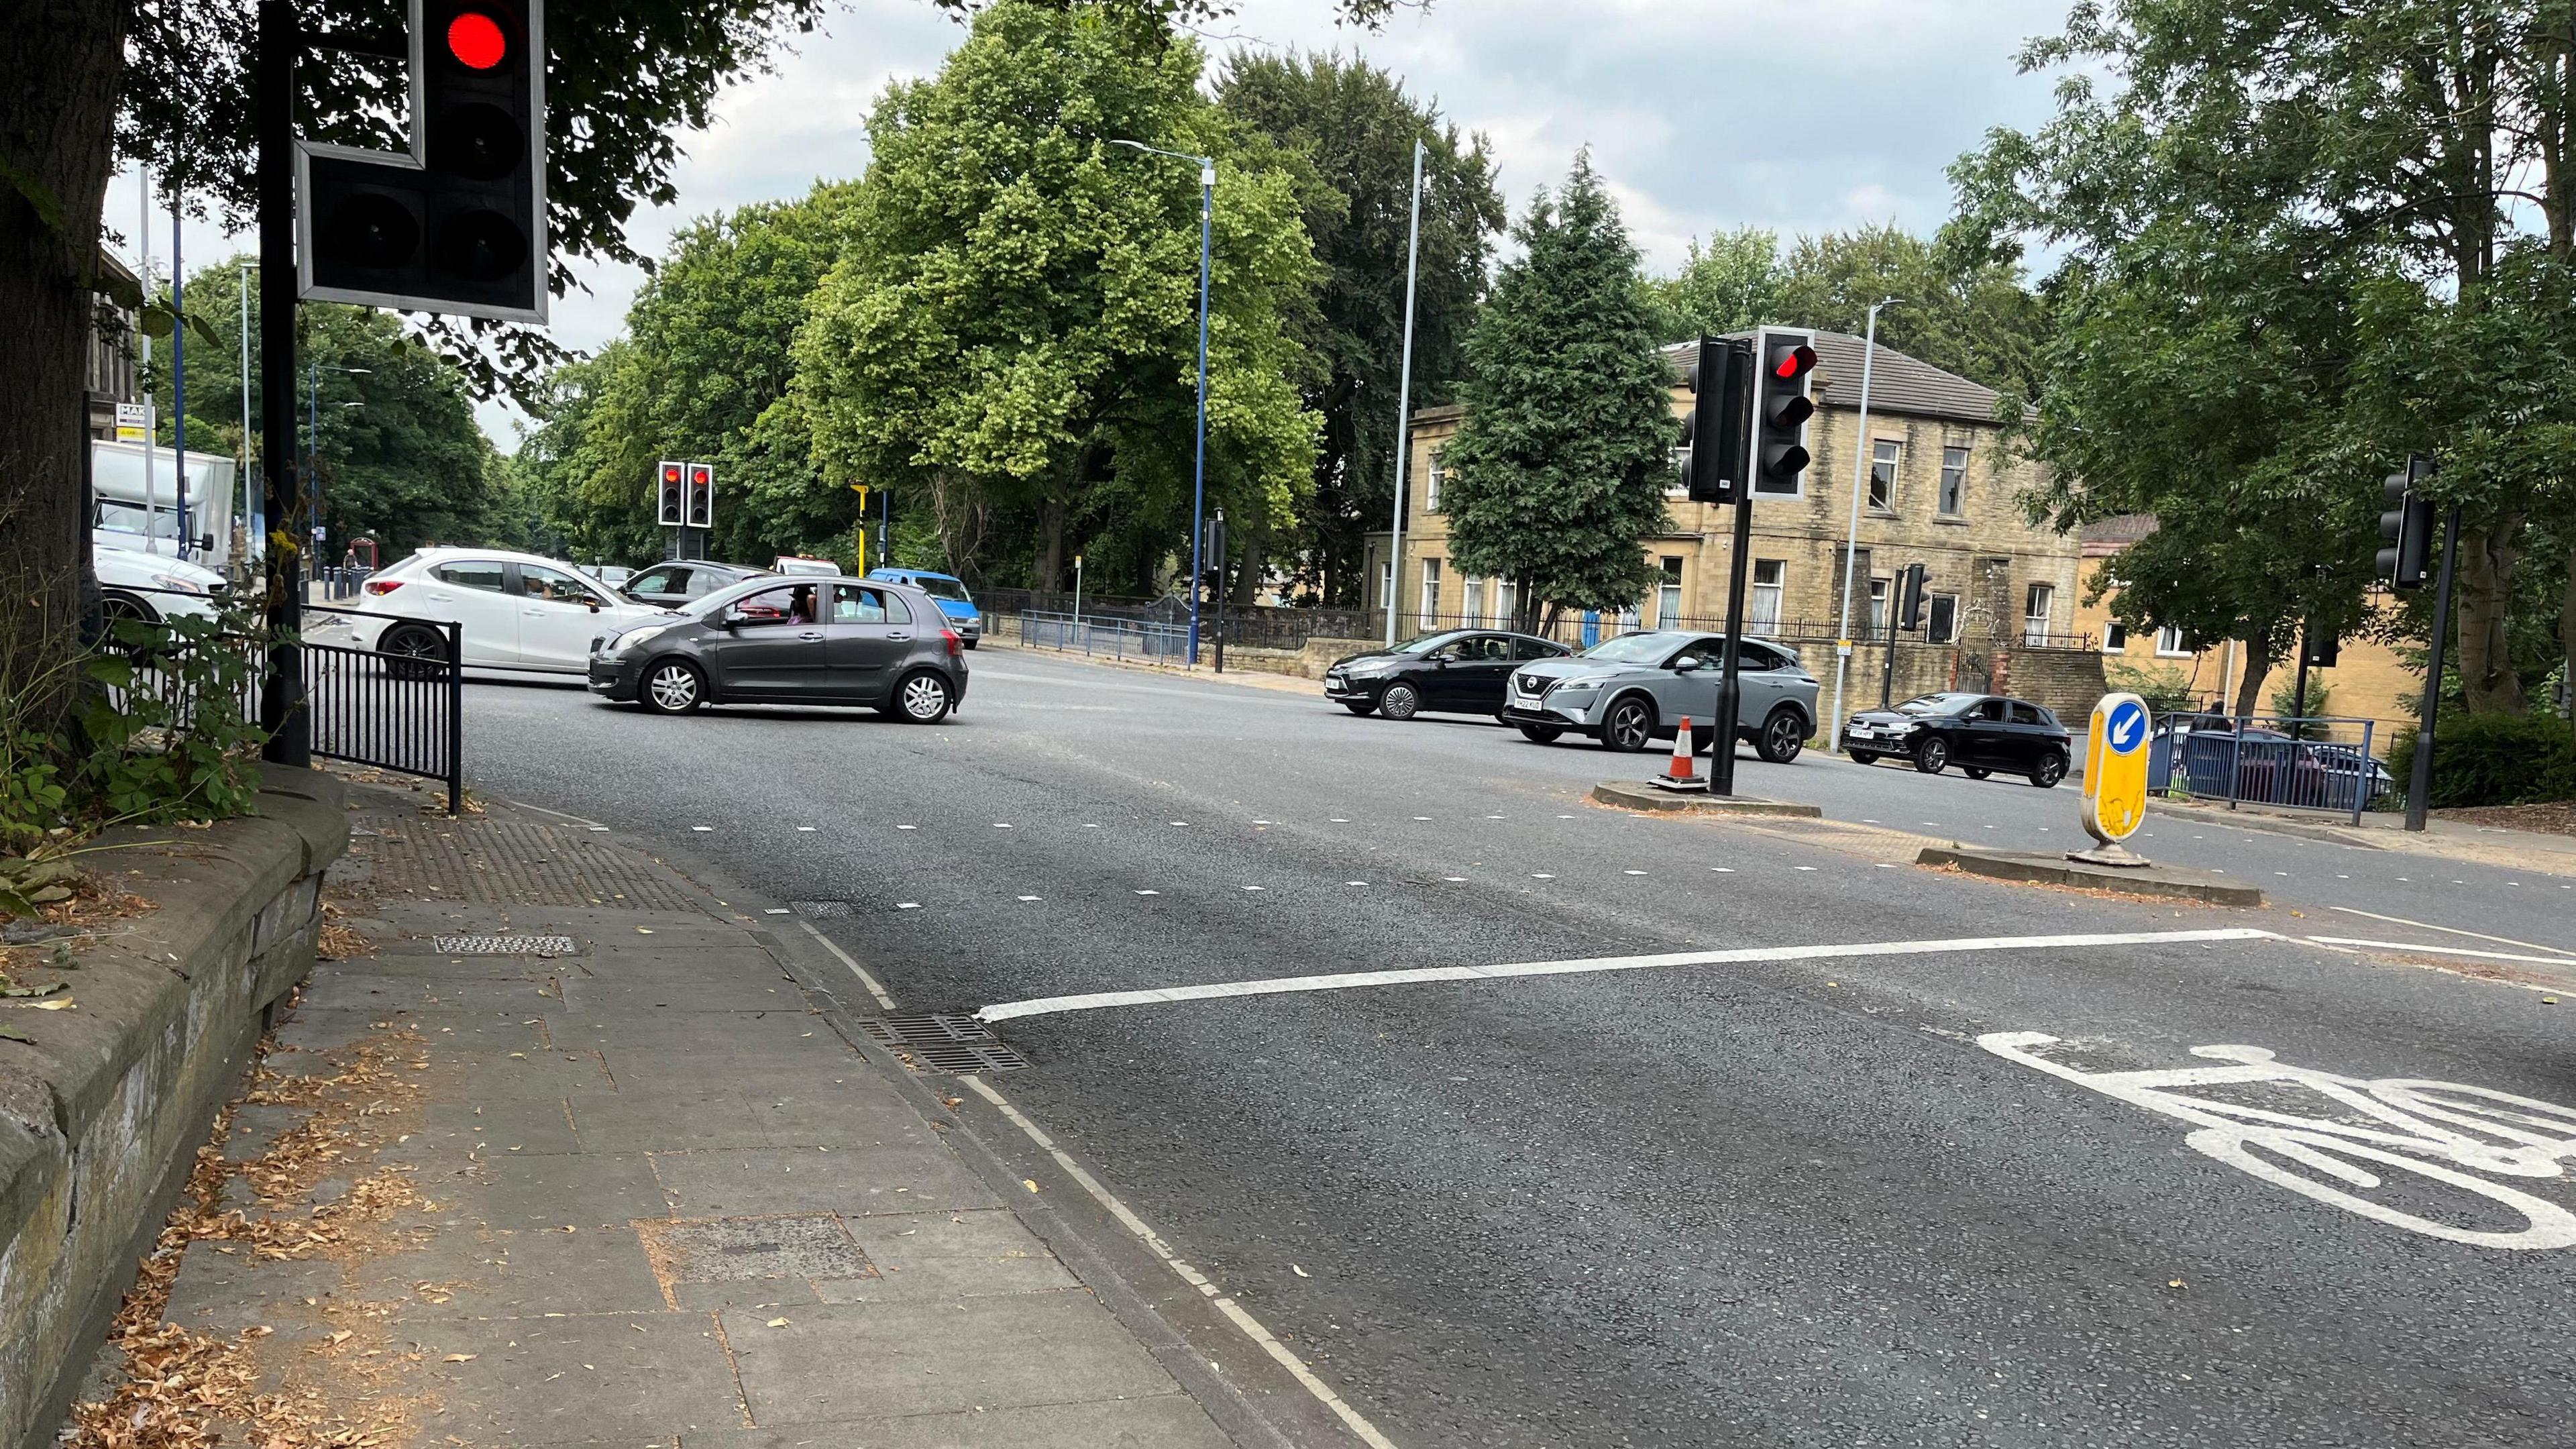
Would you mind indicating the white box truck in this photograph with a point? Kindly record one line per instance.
(128, 513)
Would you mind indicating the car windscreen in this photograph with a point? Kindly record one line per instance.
(939, 588)
(1426, 643)
(1632, 649)
(1938, 703)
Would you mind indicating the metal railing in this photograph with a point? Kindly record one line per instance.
(399, 712)
(1118, 638)
(2322, 764)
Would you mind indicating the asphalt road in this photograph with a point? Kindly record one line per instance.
(1782, 1201)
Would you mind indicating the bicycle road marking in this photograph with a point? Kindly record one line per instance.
(2447, 1132)
(1351, 980)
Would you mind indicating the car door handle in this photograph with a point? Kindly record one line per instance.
(809, 634)
(900, 638)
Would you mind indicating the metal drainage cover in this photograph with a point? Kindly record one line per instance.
(503, 945)
(823, 910)
(954, 1044)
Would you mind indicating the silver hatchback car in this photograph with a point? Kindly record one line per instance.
(805, 640)
(1629, 691)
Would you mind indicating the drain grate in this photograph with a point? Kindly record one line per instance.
(502, 945)
(823, 910)
(938, 1043)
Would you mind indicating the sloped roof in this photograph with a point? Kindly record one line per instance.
(2110, 535)
(1898, 383)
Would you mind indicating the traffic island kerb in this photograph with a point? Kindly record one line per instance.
(1642, 795)
(2171, 882)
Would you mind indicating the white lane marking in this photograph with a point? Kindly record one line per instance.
(1149, 893)
(778, 911)
(1001, 825)
(1180, 822)
(1339, 820)
(1256, 888)
(2412, 1125)
(1421, 817)
(804, 829)
(2451, 930)
(1249, 1326)
(907, 827)
(559, 815)
(1541, 875)
(1355, 882)
(2442, 950)
(1029, 898)
(1632, 872)
(1260, 822)
(1454, 879)
(907, 905)
(1344, 981)
(1087, 825)
(1806, 867)
(1723, 869)
(875, 989)
(703, 829)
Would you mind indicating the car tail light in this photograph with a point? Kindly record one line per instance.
(382, 587)
(956, 647)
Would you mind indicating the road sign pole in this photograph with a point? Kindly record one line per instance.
(2419, 785)
(1730, 689)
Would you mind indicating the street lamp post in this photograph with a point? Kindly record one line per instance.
(1198, 485)
(1851, 538)
(1404, 406)
(313, 444)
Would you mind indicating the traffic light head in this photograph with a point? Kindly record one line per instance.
(2405, 526)
(1782, 404)
(1909, 597)
(457, 223)
(1713, 435)
(669, 489)
(702, 495)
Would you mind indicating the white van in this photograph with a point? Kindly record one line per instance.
(120, 518)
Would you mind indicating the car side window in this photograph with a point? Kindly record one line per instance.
(2026, 714)
(1753, 658)
(485, 576)
(791, 605)
(1488, 649)
(854, 605)
(657, 581)
(1989, 711)
(1536, 649)
(698, 583)
(553, 585)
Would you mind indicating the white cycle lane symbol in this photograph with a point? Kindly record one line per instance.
(2447, 1134)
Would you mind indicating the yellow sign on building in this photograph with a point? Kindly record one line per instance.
(2115, 769)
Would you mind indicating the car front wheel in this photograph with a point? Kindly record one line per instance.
(1932, 756)
(1399, 701)
(1628, 726)
(924, 698)
(1864, 757)
(672, 686)
(2051, 770)
(1540, 734)
(1783, 736)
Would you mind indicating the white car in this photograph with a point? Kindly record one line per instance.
(152, 587)
(520, 611)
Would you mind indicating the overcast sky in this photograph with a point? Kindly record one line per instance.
(1890, 92)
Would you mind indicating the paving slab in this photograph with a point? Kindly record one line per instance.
(628, 1378)
(906, 1179)
(1166, 1422)
(837, 1361)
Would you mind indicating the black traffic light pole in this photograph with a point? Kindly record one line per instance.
(1730, 689)
(281, 694)
(2420, 786)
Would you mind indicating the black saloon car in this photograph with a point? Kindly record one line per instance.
(1462, 671)
(682, 582)
(790, 641)
(1982, 734)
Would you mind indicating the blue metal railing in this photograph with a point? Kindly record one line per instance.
(2299, 764)
(1118, 638)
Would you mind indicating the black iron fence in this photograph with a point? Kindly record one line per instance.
(402, 712)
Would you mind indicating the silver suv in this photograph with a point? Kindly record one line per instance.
(1629, 691)
(790, 641)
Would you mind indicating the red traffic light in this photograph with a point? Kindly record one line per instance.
(701, 474)
(670, 475)
(1794, 363)
(476, 40)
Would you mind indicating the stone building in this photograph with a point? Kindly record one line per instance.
(1940, 489)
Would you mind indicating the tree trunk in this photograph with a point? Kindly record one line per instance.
(2258, 667)
(2487, 677)
(1256, 548)
(58, 89)
(1050, 571)
(958, 503)
(2567, 634)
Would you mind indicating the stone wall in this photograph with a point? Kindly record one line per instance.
(102, 1114)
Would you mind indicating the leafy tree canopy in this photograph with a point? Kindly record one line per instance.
(1728, 285)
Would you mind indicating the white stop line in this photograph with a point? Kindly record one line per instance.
(2447, 1133)
(1414, 976)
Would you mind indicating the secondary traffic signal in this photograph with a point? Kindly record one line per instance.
(1781, 407)
(2406, 527)
(670, 512)
(1909, 597)
(1713, 435)
(456, 223)
(702, 495)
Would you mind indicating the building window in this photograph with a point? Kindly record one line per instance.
(2034, 622)
(1770, 582)
(1882, 474)
(1472, 595)
(1941, 619)
(1507, 604)
(1385, 586)
(2170, 644)
(1431, 484)
(2115, 637)
(1668, 596)
(1430, 612)
(1954, 482)
(1878, 591)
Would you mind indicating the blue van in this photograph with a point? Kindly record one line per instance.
(949, 592)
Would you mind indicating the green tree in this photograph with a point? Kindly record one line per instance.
(1729, 285)
(1954, 309)
(1559, 468)
(1352, 129)
(1012, 326)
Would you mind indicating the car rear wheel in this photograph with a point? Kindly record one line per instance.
(671, 686)
(1783, 736)
(1540, 734)
(1399, 701)
(924, 698)
(414, 648)
(2052, 768)
(1974, 772)
(1628, 726)
(125, 608)
(1932, 756)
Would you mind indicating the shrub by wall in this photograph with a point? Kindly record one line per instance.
(2495, 759)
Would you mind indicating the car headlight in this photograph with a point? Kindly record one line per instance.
(633, 637)
(1577, 686)
(178, 585)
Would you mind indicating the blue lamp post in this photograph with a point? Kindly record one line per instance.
(1198, 485)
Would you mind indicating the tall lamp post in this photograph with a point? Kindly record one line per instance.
(1198, 484)
(313, 446)
(1404, 405)
(1851, 537)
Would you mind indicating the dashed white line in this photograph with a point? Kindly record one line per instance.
(907, 905)
(804, 829)
(875, 988)
(1277, 985)
(1256, 888)
(1029, 898)
(907, 827)
(1541, 875)
(2442, 950)
(1632, 872)
(1723, 869)
(1454, 879)
(777, 911)
(1149, 893)
(2452, 931)
(703, 829)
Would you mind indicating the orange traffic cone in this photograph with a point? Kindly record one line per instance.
(1683, 772)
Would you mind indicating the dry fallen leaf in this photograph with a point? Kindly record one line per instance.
(1030, 1182)
(458, 1358)
(778, 1323)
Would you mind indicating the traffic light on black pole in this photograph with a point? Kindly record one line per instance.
(702, 495)
(1713, 434)
(671, 491)
(455, 224)
(1909, 597)
(2406, 527)
(1781, 407)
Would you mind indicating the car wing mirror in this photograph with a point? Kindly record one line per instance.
(1685, 666)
